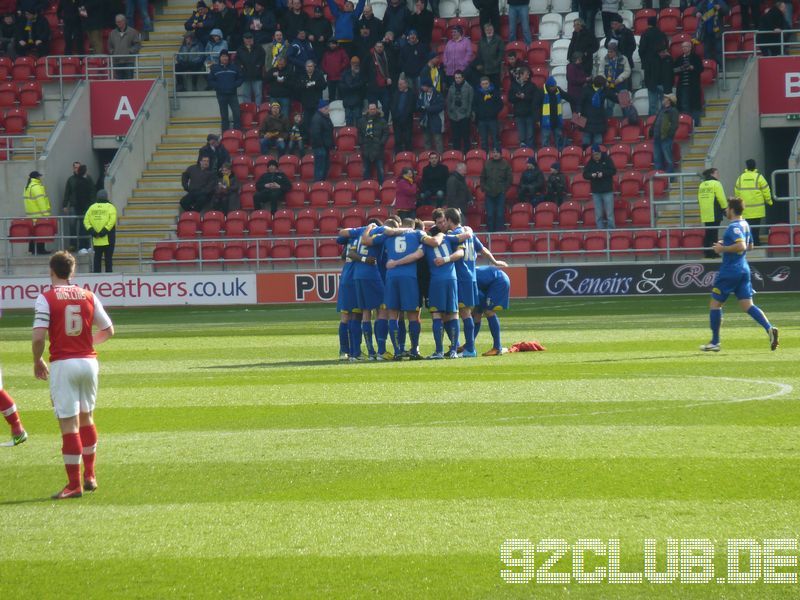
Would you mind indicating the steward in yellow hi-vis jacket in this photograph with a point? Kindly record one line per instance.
(101, 221)
(753, 188)
(712, 201)
(37, 204)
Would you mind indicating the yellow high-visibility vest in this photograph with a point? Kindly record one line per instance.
(101, 215)
(708, 192)
(754, 190)
(37, 204)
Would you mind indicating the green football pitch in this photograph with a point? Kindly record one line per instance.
(238, 458)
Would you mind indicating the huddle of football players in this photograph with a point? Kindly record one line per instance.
(393, 269)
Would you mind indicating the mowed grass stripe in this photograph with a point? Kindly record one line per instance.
(627, 477)
(430, 443)
(390, 527)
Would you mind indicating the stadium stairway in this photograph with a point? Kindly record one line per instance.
(150, 213)
(167, 36)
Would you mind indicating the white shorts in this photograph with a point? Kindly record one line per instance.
(73, 386)
(1, 379)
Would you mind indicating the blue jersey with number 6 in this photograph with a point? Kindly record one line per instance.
(400, 246)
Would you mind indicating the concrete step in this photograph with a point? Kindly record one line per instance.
(157, 187)
(152, 173)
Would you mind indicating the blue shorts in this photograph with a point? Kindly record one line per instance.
(443, 296)
(369, 293)
(401, 293)
(736, 282)
(346, 300)
(467, 293)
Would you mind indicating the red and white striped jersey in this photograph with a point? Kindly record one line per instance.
(68, 313)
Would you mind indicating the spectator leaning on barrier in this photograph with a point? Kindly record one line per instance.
(712, 201)
(37, 205)
(225, 80)
(189, 60)
(199, 183)
(250, 58)
(752, 187)
(599, 172)
(496, 180)
(101, 222)
(123, 42)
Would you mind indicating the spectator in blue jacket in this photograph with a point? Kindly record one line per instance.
(225, 79)
(300, 52)
(344, 26)
(216, 44)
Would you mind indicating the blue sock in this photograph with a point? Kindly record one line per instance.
(455, 330)
(381, 331)
(469, 334)
(494, 327)
(448, 329)
(344, 338)
(355, 338)
(477, 330)
(366, 328)
(438, 331)
(715, 320)
(759, 316)
(393, 327)
(414, 329)
(401, 334)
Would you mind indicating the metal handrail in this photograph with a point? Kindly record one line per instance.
(682, 176)
(7, 146)
(783, 45)
(66, 229)
(791, 198)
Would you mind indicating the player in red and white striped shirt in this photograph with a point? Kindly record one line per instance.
(66, 313)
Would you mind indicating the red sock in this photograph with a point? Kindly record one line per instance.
(9, 411)
(71, 449)
(89, 441)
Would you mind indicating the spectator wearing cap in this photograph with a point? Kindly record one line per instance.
(271, 188)
(123, 42)
(430, 105)
(688, 67)
(226, 20)
(608, 9)
(294, 20)
(658, 79)
(373, 133)
(556, 185)
(352, 91)
(225, 78)
(321, 134)
(396, 18)
(189, 60)
(624, 38)
(592, 108)
(201, 23)
(226, 194)
(460, 100)
(599, 172)
(320, 32)
(617, 72)
(280, 82)
(488, 12)
(33, 35)
(310, 85)
(217, 153)
(199, 182)
(334, 63)
(664, 128)
(552, 122)
(259, 21)
(496, 180)
(251, 58)
(216, 44)
(518, 15)
(274, 130)
(458, 53)
(522, 96)
(531, 183)
(434, 181)
(584, 43)
(344, 24)
(300, 52)
(404, 104)
(489, 61)
(421, 20)
(487, 107)
(373, 24)
(379, 79)
(412, 56)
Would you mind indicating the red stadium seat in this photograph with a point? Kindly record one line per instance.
(246, 196)
(378, 212)
(572, 243)
(588, 217)
(640, 20)
(692, 241)
(620, 243)
(630, 184)
(16, 120)
(643, 156)
(779, 240)
(670, 240)
(234, 253)
(344, 194)
(645, 243)
(187, 229)
(404, 160)
(329, 249)
(282, 222)
(6, 64)
(354, 167)
(296, 197)
(282, 250)
(545, 215)
(450, 159)
(622, 211)
(352, 217)
(305, 249)
(631, 134)
(164, 252)
(252, 142)
(242, 166)
(258, 251)
(539, 52)
(475, 161)
(307, 167)
(500, 244)
(260, 223)
(521, 245)
(20, 230)
(685, 124)
(329, 221)
(640, 214)
(620, 155)
(519, 159)
(232, 140)
(211, 228)
(594, 244)
(186, 253)
(669, 19)
(569, 214)
(346, 139)
(571, 159)
(24, 68)
(545, 157)
(580, 189)
(367, 193)
(660, 184)
(320, 194)
(30, 94)
(545, 244)
(290, 165)
(249, 115)
(234, 228)
(306, 221)
(521, 216)
(8, 94)
(388, 192)
(709, 73)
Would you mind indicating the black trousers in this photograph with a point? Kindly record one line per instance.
(460, 134)
(755, 229)
(195, 201)
(402, 135)
(711, 235)
(261, 199)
